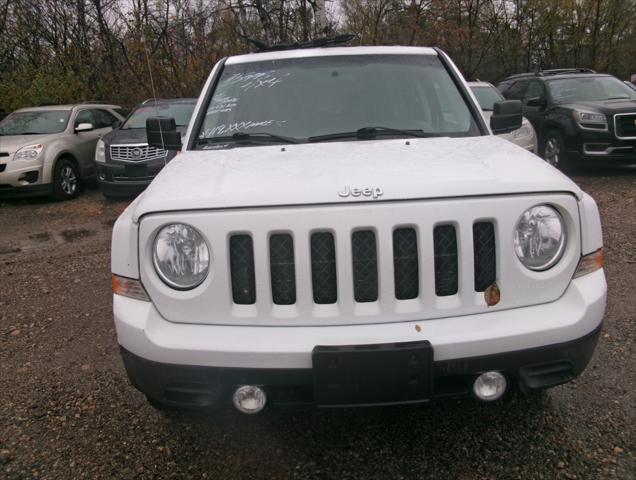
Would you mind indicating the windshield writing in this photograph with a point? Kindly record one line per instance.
(309, 97)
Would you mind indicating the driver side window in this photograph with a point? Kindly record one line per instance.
(535, 89)
(84, 116)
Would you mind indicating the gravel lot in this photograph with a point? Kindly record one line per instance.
(68, 411)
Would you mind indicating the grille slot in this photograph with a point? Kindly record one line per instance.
(365, 266)
(625, 125)
(282, 268)
(242, 269)
(484, 251)
(136, 153)
(405, 263)
(323, 268)
(2, 167)
(445, 248)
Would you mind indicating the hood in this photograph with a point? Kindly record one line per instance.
(13, 143)
(315, 174)
(608, 107)
(130, 135)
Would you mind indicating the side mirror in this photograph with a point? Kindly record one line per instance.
(116, 124)
(506, 116)
(84, 127)
(536, 102)
(162, 133)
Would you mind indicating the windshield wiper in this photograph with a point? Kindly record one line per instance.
(258, 137)
(619, 98)
(371, 132)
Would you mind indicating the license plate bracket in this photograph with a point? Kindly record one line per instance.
(378, 374)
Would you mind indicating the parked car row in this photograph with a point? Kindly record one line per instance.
(51, 150)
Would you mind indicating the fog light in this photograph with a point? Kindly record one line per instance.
(489, 386)
(249, 399)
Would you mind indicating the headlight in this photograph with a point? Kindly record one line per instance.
(28, 153)
(181, 256)
(539, 238)
(596, 121)
(100, 152)
(524, 132)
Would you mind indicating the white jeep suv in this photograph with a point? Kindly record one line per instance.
(343, 228)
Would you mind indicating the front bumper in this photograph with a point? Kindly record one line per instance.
(126, 180)
(537, 346)
(23, 178)
(589, 147)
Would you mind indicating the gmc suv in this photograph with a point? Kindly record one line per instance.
(581, 117)
(342, 227)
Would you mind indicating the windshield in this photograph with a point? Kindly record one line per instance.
(181, 112)
(33, 123)
(487, 97)
(301, 98)
(589, 89)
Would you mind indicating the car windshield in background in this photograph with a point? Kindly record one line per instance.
(34, 123)
(487, 97)
(181, 112)
(304, 98)
(589, 89)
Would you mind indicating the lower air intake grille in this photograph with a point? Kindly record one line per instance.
(405, 263)
(281, 259)
(365, 266)
(445, 249)
(242, 270)
(323, 268)
(484, 253)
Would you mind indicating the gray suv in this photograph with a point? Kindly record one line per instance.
(49, 150)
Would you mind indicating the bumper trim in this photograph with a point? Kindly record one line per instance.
(189, 386)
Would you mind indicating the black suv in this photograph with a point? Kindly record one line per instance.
(125, 163)
(580, 116)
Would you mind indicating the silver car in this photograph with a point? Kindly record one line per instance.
(487, 94)
(49, 150)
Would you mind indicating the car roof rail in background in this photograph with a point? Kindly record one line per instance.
(148, 100)
(318, 42)
(559, 71)
(93, 102)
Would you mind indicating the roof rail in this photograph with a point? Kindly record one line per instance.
(558, 71)
(318, 42)
(93, 102)
(148, 100)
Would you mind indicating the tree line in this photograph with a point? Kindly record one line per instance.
(59, 51)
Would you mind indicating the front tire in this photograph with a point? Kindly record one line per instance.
(66, 180)
(554, 151)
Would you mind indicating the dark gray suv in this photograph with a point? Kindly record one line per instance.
(125, 163)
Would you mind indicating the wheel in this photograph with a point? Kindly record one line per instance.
(554, 151)
(66, 180)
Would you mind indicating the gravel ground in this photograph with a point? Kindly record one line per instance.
(68, 411)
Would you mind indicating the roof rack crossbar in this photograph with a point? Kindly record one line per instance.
(318, 42)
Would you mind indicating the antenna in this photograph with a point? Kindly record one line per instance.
(154, 93)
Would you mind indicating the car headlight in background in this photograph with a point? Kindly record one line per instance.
(525, 131)
(28, 153)
(539, 238)
(181, 256)
(596, 121)
(100, 152)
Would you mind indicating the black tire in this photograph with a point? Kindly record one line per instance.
(66, 180)
(554, 151)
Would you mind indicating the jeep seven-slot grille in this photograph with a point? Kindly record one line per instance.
(365, 270)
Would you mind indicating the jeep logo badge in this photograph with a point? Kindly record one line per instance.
(373, 192)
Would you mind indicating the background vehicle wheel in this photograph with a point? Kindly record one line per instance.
(66, 180)
(554, 151)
